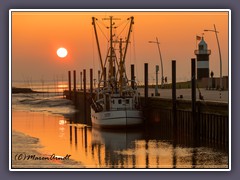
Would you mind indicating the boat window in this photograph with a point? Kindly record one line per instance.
(127, 101)
(113, 101)
(119, 101)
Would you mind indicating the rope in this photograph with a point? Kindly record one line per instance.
(101, 22)
(134, 53)
(120, 24)
(102, 32)
(123, 29)
(93, 54)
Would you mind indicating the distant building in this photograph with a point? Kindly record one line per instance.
(202, 54)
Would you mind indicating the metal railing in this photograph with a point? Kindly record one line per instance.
(202, 52)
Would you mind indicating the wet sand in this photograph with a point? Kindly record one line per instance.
(24, 145)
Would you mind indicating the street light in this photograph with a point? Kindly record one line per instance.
(159, 51)
(216, 33)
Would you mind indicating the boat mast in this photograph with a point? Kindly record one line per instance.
(121, 68)
(111, 57)
(122, 71)
(99, 51)
(127, 42)
(111, 51)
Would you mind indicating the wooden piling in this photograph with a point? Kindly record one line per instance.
(146, 82)
(132, 76)
(105, 76)
(85, 96)
(76, 137)
(85, 138)
(193, 77)
(81, 81)
(194, 119)
(74, 88)
(91, 82)
(69, 85)
(174, 101)
(70, 131)
(99, 76)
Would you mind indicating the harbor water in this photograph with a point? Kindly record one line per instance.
(55, 122)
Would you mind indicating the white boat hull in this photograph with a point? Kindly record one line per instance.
(118, 118)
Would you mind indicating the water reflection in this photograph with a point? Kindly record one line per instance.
(141, 149)
(151, 147)
(117, 144)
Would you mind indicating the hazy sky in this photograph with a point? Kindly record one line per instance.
(36, 36)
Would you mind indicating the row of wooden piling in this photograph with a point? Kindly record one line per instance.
(198, 126)
(212, 129)
(193, 123)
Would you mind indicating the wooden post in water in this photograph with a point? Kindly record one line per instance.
(174, 101)
(132, 76)
(70, 131)
(105, 76)
(69, 85)
(84, 96)
(91, 81)
(74, 88)
(80, 80)
(85, 137)
(174, 111)
(193, 77)
(99, 75)
(146, 82)
(194, 118)
(75, 135)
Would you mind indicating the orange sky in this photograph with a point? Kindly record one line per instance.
(36, 36)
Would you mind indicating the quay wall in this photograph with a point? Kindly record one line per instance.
(212, 118)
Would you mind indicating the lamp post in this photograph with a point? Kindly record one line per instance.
(159, 51)
(216, 33)
(156, 87)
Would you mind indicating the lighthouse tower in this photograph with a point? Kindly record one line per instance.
(202, 54)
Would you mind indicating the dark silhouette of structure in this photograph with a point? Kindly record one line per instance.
(202, 60)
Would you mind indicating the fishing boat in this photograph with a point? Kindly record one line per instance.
(115, 103)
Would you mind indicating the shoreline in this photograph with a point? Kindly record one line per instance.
(24, 146)
(16, 90)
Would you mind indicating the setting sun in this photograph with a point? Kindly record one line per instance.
(62, 52)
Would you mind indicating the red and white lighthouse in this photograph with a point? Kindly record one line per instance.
(202, 54)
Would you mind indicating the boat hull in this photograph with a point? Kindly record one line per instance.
(116, 119)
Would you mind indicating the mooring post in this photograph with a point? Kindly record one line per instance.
(85, 137)
(132, 76)
(99, 75)
(156, 87)
(69, 85)
(70, 131)
(74, 88)
(84, 96)
(80, 80)
(174, 99)
(194, 119)
(105, 76)
(193, 86)
(146, 82)
(75, 135)
(174, 112)
(91, 82)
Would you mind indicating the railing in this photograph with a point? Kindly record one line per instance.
(202, 52)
